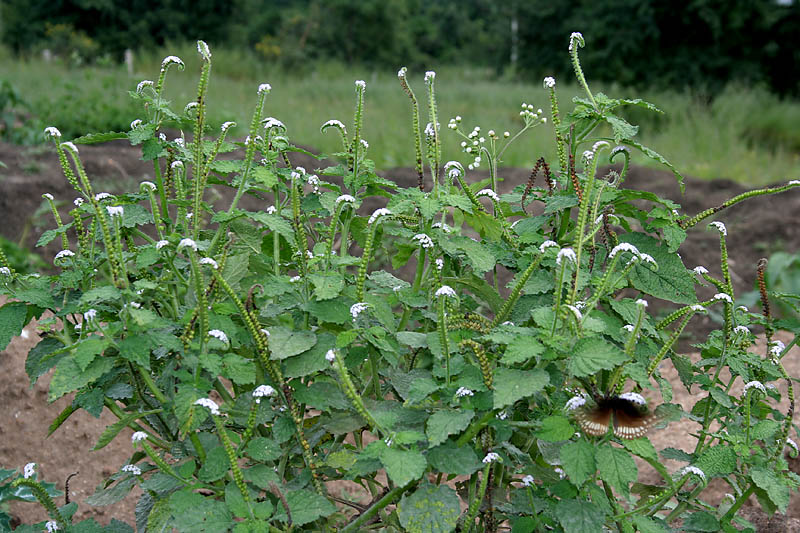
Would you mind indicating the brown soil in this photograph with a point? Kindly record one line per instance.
(756, 229)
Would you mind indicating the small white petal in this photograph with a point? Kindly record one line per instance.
(210, 404)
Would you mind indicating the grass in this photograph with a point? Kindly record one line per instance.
(744, 134)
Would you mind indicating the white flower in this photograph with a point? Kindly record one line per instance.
(491, 457)
(575, 402)
(361, 84)
(345, 198)
(47, 196)
(335, 123)
(549, 82)
(209, 261)
(430, 75)
(697, 308)
(576, 311)
(364, 144)
(560, 472)
(263, 391)
(138, 436)
(507, 323)
(754, 385)
(228, 125)
(208, 403)
(423, 240)
(295, 279)
(172, 60)
(623, 247)
(264, 88)
(161, 244)
(133, 469)
(588, 155)
(692, 470)
(187, 242)
(136, 305)
(271, 210)
(776, 348)
(29, 470)
(358, 308)
(70, 146)
(142, 84)
(792, 444)
(488, 192)
(378, 213)
(51, 526)
(792, 182)
(330, 356)
(176, 165)
(444, 227)
(78, 202)
(700, 270)
(722, 296)
(575, 36)
(596, 146)
(102, 196)
(389, 441)
(5, 271)
(115, 210)
(547, 244)
(647, 258)
(136, 123)
(203, 50)
(162, 137)
(629, 328)
(429, 131)
(52, 131)
(439, 264)
(64, 253)
(148, 184)
(720, 227)
(568, 254)
(741, 330)
(265, 332)
(218, 334)
(463, 391)
(445, 291)
(91, 314)
(502, 415)
(527, 481)
(272, 122)
(634, 397)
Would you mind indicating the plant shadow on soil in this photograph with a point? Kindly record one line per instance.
(756, 228)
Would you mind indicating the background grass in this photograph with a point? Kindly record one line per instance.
(744, 134)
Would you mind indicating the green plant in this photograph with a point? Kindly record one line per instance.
(262, 357)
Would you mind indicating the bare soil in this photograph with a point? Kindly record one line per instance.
(756, 229)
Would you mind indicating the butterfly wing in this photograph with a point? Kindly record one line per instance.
(594, 421)
(633, 424)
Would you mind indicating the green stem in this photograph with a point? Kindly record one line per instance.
(367, 515)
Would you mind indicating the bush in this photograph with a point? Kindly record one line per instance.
(262, 356)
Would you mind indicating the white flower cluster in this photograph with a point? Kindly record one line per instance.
(623, 247)
(634, 397)
(345, 198)
(172, 60)
(754, 385)
(378, 213)
(187, 243)
(724, 297)
(463, 391)
(575, 311)
(52, 131)
(568, 254)
(208, 403)
(776, 348)
(133, 469)
(491, 457)
(454, 122)
(272, 122)
(29, 470)
(429, 76)
(51, 526)
(142, 84)
(115, 210)
(70, 146)
(444, 227)
(720, 227)
(423, 240)
(575, 402)
(336, 124)
(361, 84)
(547, 244)
(264, 88)
(64, 253)
(358, 308)
(209, 261)
(439, 264)
(527, 481)
(218, 334)
(446, 291)
(160, 244)
(530, 116)
(138, 436)
(692, 470)
(263, 391)
(203, 50)
(227, 125)
(330, 356)
(641, 302)
(5, 271)
(488, 192)
(549, 82)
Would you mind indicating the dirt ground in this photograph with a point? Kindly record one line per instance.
(757, 229)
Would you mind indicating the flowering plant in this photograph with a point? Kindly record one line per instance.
(263, 357)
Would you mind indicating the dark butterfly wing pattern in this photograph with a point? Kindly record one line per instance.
(629, 420)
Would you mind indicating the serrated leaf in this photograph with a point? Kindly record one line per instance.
(592, 354)
(238, 369)
(764, 429)
(12, 320)
(444, 423)
(578, 516)
(305, 506)
(114, 429)
(69, 377)
(521, 350)
(96, 138)
(49, 235)
(263, 449)
(327, 285)
(641, 447)
(719, 460)
(429, 509)
(775, 488)
(512, 385)
(701, 521)
(555, 428)
(112, 494)
(215, 465)
(616, 467)
(413, 339)
(558, 202)
(670, 281)
(284, 342)
(646, 524)
(622, 128)
(403, 466)
(577, 460)
(451, 459)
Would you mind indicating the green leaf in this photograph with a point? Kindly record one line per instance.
(284, 342)
(560, 201)
(444, 423)
(512, 385)
(264, 449)
(12, 320)
(555, 428)
(412, 338)
(69, 377)
(641, 447)
(622, 128)
(719, 460)
(429, 509)
(616, 467)
(49, 235)
(577, 460)
(764, 429)
(240, 370)
(592, 354)
(112, 494)
(95, 138)
(521, 350)
(775, 488)
(327, 285)
(646, 524)
(305, 506)
(451, 459)
(114, 429)
(193, 512)
(701, 521)
(312, 360)
(403, 466)
(136, 349)
(336, 311)
(671, 281)
(215, 466)
(578, 516)
(264, 176)
(39, 360)
(322, 396)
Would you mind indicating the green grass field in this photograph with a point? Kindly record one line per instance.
(744, 134)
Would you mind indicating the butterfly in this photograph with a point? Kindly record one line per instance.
(627, 412)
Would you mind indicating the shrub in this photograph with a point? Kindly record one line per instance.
(262, 356)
